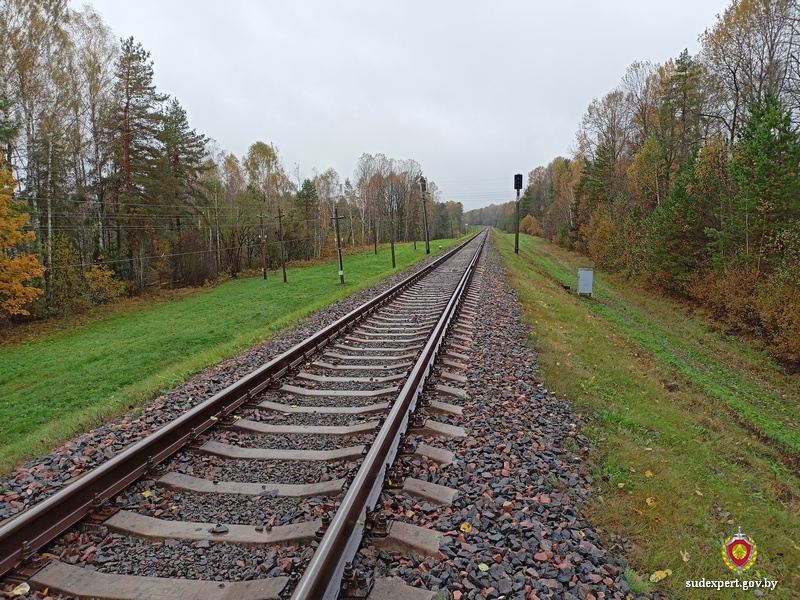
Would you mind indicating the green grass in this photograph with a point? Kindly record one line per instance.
(63, 383)
(699, 423)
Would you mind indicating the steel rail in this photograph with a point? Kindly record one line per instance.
(21, 536)
(322, 577)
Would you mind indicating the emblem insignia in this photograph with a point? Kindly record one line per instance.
(739, 552)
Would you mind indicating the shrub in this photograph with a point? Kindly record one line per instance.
(731, 297)
(778, 305)
(66, 289)
(600, 233)
(530, 226)
(103, 287)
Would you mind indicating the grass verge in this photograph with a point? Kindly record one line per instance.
(61, 384)
(695, 433)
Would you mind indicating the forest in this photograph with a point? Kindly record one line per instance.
(107, 191)
(686, 177)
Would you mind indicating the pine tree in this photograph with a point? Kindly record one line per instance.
(176, 186)
(766, 168)
(308, 202)
(134, 130)
(677, 238)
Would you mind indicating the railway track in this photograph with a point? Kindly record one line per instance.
(297, 453)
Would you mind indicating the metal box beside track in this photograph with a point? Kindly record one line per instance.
(585, 278)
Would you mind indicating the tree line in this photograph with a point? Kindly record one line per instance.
(106, 190)
(687, 176)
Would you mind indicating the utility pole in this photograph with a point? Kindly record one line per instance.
(280, 235)
(391, 234)
(423, 185)
(518, 187)
(336, 218)
(263, 244)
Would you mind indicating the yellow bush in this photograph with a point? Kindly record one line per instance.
(531, 226)
(600, 233)
(778, 305)
(103, 287)
(731, 297)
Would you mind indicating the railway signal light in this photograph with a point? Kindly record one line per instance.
(518, 187)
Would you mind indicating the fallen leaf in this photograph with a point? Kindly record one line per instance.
(146, 493)
(483, 567)
(21, 589)
(698, 492)
(466, 527)
(651, 502)
(620, 485)
(659, 575)
(685, 555)
(631, 469)
(648, 473)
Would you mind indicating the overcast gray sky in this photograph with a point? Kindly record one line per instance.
(474, 91)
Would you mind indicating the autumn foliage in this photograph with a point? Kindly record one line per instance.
(686, 176)
(17, 269)
(530, 226)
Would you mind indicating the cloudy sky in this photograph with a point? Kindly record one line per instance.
(475, 91)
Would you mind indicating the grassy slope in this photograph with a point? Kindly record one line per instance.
(701, 425)
(63, 383)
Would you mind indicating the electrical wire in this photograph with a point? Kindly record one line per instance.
(246, 246)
